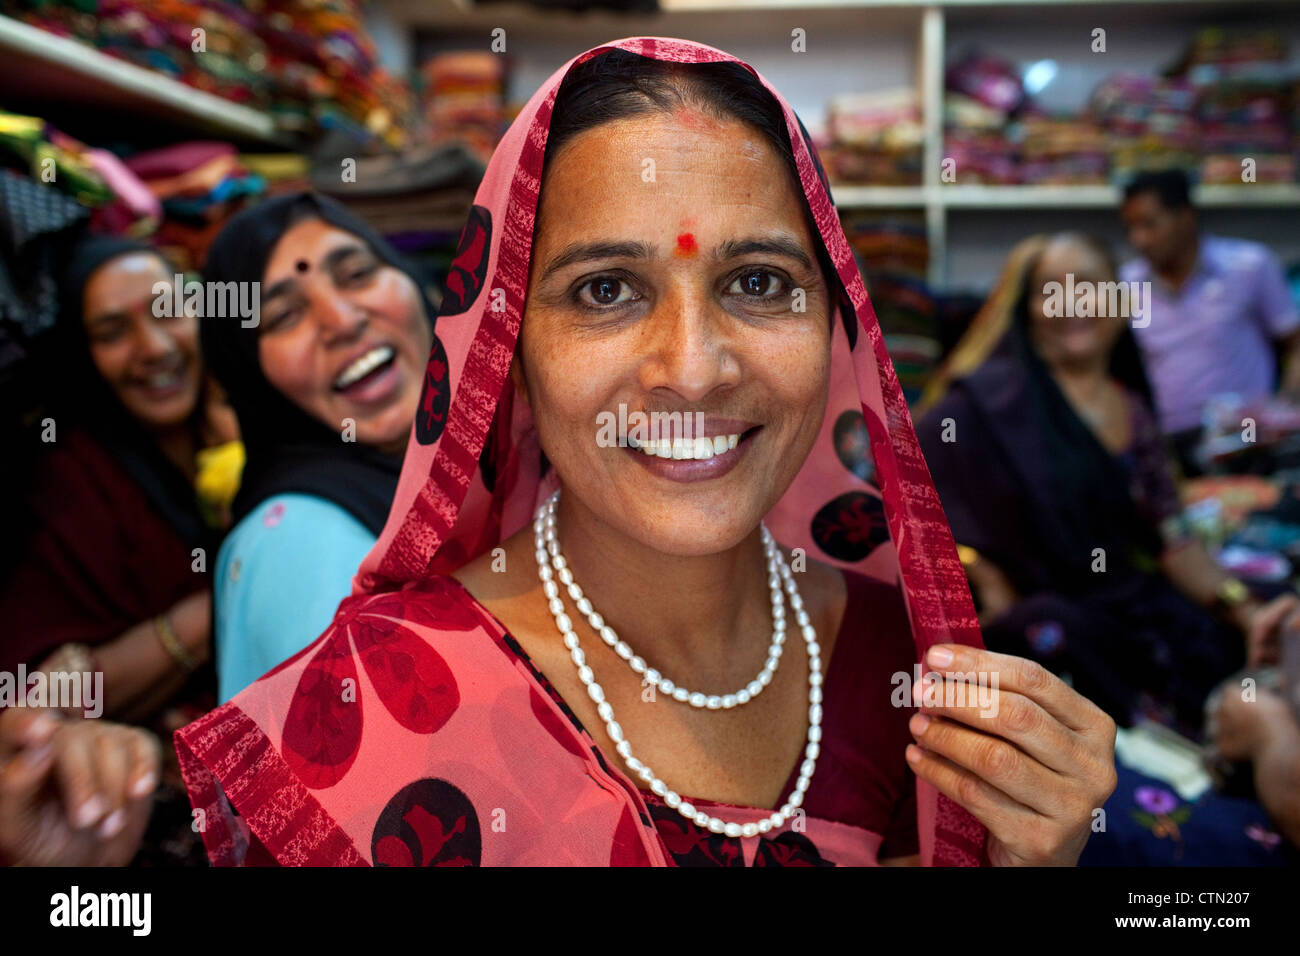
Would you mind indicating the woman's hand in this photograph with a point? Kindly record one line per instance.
(1263, 624)
(73, 793)
(1239, 728)
(1029, 757)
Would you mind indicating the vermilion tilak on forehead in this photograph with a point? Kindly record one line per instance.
(686, 244)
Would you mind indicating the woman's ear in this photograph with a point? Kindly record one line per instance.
(518, 379)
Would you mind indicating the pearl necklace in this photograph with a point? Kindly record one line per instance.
(549, 565)
(679, 693)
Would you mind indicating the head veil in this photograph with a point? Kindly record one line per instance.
(471, 477)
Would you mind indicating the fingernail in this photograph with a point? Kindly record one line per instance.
(112, 824)
(919, 723)
(939, 657)
(90, 811)
(145, 785)
(913, 753)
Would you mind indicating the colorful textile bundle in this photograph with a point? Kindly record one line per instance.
(875, 138)
(306, 62)
(464, 96)
(894, 254)
(93, 177)
(200, 185)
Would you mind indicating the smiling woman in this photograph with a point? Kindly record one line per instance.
(325, 386)
(654, 233)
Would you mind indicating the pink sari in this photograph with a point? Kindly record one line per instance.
(412, 732)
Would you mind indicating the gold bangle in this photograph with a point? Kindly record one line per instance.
(967, 555)
(167, 636)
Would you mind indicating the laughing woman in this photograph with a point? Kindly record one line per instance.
(325, 386)
(562, 651)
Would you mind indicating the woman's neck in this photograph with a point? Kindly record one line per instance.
(178, 446)
(696, 610)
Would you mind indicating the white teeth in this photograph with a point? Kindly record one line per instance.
(364, 366)
(163, 380)
(682, 449)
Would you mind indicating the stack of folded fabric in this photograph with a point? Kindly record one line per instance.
(977, 141)
(894, 254)
(1245, 105)
(875, 138)
(464, 96)
(1061, 150)
(1150, 122)
(309, 63)
(96, 178)
(200, 185)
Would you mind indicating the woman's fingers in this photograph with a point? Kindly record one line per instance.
(989, 805)
(1022, 676)
(145, 764)
(112, 756)
(79, 777)
(997, 712)
(998, 763)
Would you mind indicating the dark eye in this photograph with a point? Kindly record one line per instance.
(757, 283)
(604, 291)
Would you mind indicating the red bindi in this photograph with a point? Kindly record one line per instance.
(686, 244)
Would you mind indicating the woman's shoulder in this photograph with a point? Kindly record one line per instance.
(295, 518)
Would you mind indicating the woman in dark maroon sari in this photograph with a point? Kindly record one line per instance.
(106, 579)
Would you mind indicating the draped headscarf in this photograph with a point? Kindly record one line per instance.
(473, 476)
(287, 449)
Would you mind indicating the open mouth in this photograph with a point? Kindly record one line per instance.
(165, 380)
(366, 368)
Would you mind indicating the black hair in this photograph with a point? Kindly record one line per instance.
(618, 84)
(1171, 186)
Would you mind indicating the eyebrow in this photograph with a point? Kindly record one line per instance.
(332, 258)
(779, 244)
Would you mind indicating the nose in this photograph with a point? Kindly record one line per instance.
(688, 348)
(150, 340)
(338, 318)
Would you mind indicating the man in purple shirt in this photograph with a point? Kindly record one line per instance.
(1217, 309)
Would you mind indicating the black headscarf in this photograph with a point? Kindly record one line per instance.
(83, 398)
(287, 449)
(1092, 487)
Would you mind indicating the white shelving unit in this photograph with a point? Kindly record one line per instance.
(883, 24)
(38, 63)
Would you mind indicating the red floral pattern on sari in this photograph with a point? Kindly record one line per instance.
(322, 735)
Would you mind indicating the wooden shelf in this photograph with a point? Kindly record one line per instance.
(38, 66)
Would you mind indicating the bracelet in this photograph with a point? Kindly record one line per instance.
(167, 636)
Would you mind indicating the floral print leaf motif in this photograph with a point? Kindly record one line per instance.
(469, 267)
(789, 849)
(430, 822)
(412, 679)
(691, 845)
(322, 733)
(435, 398)
(851, 526)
